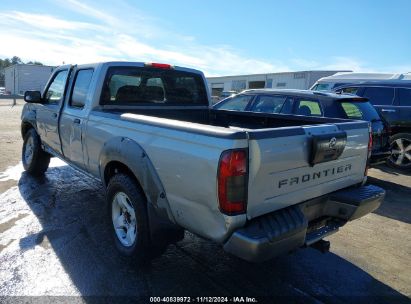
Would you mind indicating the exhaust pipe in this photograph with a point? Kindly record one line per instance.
(322, 246)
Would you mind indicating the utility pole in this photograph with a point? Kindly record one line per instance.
(14, 86)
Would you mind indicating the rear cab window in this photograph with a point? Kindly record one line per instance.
(379, 95)
(150, 86)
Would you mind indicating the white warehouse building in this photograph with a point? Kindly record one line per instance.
(285, 80)
(23, 77)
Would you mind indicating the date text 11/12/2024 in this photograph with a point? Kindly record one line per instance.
(203, 300)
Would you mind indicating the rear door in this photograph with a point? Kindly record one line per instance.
(383, 100)
(403, 97)
(48, 113)
(73, 118)
(292, 164)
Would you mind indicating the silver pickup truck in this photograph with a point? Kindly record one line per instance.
(259, 184)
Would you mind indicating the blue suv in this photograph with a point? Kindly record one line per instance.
(392, 99)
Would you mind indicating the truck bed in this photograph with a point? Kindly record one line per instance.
(279, 148)
(221, 118)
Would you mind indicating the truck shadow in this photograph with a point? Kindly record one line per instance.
(397, 200)
(387, 169)
(71, 209)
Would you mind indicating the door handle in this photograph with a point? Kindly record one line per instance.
(388, 110)
(54, 115)
(77, 121)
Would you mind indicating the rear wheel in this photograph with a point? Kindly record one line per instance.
(400, 151)
(35, 160)
(128, 215)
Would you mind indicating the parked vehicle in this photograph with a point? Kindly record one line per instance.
(318, 104)
(393, 101)
(259, 185)
(226, 94)
(2, 91)
(215, 99)
(331, 82)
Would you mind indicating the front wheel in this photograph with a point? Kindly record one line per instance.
(128, 215)
(400, 151)
(35, 160)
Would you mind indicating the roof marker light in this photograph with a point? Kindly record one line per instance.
(159, 65)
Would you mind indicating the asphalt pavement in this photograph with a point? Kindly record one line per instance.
(55, 240)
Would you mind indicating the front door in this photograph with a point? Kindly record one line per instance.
(48, 113)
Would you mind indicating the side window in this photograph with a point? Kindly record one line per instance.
(55, 91)
(352, 110)
(236, 103)
(338, 84)
(351, 90)
(308, 108)
(288, 106)
(268, 104)
(404, 96)
(379, 95)
(80, 88)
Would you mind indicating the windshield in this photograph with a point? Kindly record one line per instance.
(360, 110)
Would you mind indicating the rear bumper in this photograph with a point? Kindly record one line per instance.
(300, 225)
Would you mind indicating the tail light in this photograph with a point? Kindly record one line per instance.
(369, 142)
(159, 65)
(369, 150)
(232, 182)
(389, 129)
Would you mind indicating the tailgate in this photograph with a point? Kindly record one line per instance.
(291, 165)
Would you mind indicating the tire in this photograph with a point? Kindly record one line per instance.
(128, 210)
(35, 160)
(401, 151)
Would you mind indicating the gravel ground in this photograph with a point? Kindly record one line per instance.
(55, 241)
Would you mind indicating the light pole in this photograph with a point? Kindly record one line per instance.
(14, 86)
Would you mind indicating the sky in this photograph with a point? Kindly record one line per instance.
(218, 37)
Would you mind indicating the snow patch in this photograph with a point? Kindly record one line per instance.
(14, 172)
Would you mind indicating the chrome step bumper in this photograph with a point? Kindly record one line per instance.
(300, 225)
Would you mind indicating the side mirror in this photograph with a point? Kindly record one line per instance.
(32, 96)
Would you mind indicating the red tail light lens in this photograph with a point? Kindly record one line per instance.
(369, 150)
(370, 143)
(159, 65)
(389, 130)
(232, 182)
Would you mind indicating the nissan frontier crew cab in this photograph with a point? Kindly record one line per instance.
(258, 184)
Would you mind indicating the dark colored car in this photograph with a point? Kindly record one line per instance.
(392, 99)
(313, 103)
